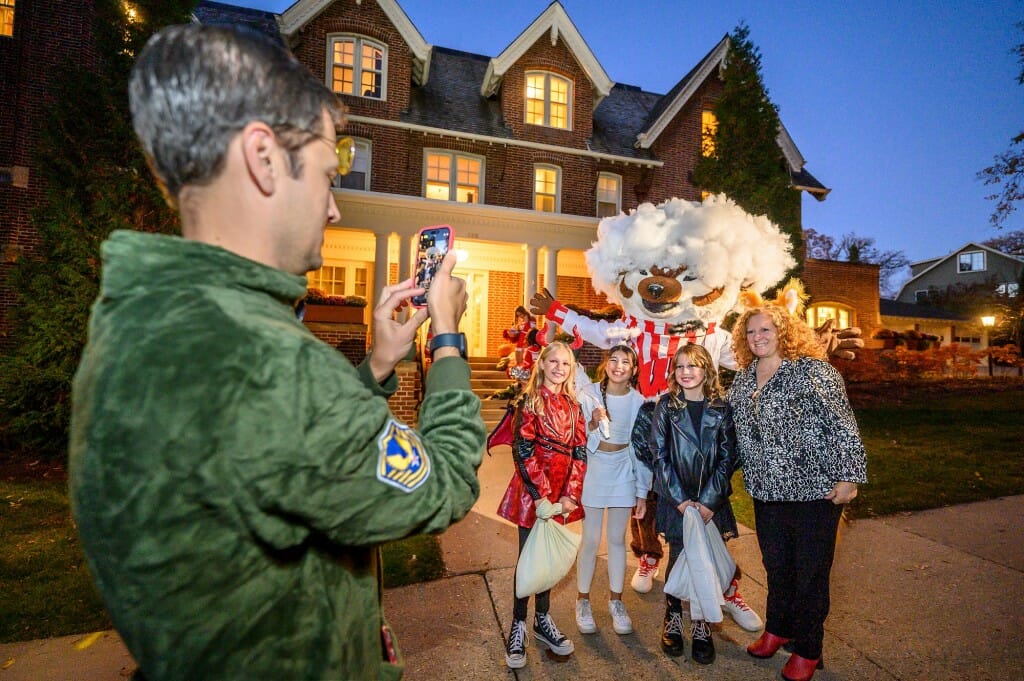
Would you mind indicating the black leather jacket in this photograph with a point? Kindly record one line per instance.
(688, 465)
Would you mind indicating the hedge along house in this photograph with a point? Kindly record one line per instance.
(522, 153)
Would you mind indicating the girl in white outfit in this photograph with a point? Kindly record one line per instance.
(615, 482)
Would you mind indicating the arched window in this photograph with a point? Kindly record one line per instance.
(357, 65)
(548, 100)
(819, 313)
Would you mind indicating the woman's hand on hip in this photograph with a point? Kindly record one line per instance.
(843, 492)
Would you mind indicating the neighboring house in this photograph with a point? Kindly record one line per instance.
(947, 326)
(521, 152)
(972, 263)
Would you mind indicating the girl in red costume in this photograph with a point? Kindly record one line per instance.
(518, 334)
(550, 453)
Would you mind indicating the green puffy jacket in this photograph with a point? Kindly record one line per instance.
(232, 476)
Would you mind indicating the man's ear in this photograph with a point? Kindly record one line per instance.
(259, 149)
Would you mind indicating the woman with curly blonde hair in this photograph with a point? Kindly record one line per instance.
(802, 458)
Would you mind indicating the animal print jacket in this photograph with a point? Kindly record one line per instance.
(796, 436)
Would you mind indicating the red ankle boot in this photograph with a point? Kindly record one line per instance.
(767, 645)
(800, 668)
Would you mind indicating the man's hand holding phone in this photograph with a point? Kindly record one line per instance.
(393, 339)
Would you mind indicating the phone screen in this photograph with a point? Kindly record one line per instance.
(434, 243)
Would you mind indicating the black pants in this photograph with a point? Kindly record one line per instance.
(542, 601)
(798, 542)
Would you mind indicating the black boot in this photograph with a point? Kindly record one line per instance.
(703, 651)
(672, 641)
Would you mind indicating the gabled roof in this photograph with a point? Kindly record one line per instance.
(303, 11)
(973, 245)
(681, 93)
(220, 14)
(557, 23)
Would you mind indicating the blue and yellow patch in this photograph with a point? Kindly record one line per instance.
(403, 461)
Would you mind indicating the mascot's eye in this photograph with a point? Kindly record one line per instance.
(689, 277)
(644, 272)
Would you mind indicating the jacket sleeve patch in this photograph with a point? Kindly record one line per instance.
(402, 461)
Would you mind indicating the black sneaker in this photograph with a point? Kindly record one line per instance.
(703, 647)
(547, 634)
(515, 654)
(672, 641)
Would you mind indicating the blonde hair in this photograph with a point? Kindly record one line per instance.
(532, 399)
(796, 338)
(699, 356)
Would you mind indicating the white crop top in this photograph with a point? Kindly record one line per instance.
(618, 411)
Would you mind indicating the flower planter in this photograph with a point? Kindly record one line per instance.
(337, 314)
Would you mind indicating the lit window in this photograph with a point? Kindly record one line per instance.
(708, 130)
(819, 314)
(1009, 290)
(547, 100)
(546, 181)
(451, 176)
(972, 261)
(7, 17)
(339, 280)
(609, 195)
(359, 176)
(356, 66)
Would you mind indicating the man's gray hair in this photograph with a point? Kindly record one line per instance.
(195, 86)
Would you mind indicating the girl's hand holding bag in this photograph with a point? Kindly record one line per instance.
(548, 553)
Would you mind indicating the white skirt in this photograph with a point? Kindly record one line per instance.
(610, 481)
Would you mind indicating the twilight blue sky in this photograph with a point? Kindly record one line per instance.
(895, 105)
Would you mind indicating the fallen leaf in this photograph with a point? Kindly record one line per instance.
(8, 663)
(84, 643)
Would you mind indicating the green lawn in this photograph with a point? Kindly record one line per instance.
(930, 450)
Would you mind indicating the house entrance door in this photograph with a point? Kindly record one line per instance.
(474, 322)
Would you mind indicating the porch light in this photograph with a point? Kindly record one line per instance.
(988, 321)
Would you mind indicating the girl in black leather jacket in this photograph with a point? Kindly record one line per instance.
(692, 452)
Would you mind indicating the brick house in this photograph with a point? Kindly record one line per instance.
(521, 152)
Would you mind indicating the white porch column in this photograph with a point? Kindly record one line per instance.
(406, 266)
(551, 272)
(381, 264)
(529, 274)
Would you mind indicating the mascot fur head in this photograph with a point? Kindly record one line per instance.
(683, 260)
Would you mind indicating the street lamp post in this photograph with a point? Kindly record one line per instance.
(988, 321)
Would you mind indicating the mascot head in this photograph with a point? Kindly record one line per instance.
(683, 260)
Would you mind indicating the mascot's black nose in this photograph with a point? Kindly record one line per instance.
(655, 290)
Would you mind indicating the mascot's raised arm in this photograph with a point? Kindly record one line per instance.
(677, 270)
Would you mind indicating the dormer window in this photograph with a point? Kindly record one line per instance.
(548, 100)
(357, 65)
(7, 17)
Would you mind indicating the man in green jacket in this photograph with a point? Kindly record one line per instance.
(232, 477)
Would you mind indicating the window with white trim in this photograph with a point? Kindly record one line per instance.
(971, 261)
(1009, 289)
(7, 17)
(548, 100)
(921, 295)
(819, 314)
(453, 176)
(357, 65)
(547, 181)
(340, 280)
(359, 176)
(609, 195)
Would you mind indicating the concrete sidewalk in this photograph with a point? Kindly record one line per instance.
(930, 596)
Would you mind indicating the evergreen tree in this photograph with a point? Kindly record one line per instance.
(97, 181)
(746, 162)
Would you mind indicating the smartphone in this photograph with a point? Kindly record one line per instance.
(432, 245)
